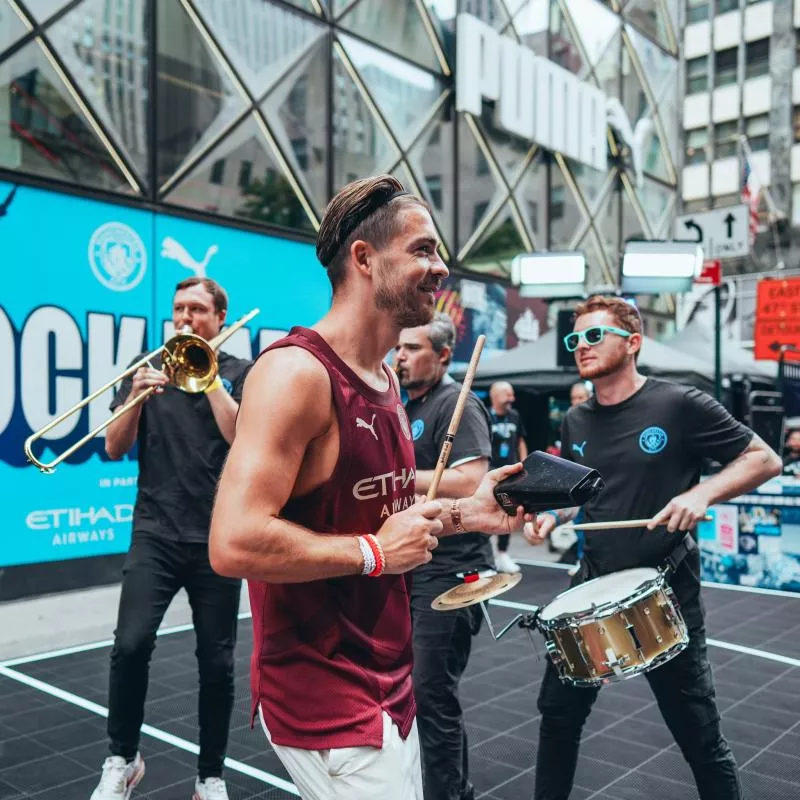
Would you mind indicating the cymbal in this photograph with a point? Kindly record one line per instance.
(467, 594)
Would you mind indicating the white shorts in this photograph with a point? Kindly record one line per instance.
(357, 773)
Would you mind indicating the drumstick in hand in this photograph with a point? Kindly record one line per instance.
(455, 420)
(620, 523)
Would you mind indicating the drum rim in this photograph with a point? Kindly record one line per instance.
(607, 609)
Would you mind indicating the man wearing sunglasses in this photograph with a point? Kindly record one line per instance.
(647, 438)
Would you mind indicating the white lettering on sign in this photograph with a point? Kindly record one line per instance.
(73, 517)
(536, 99)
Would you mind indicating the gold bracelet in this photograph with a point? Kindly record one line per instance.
(214, 385)
(455, 516)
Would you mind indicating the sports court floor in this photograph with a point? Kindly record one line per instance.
(52, 728)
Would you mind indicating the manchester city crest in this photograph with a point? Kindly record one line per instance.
(117, 256)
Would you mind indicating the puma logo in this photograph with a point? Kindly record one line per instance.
(579, 448)
(370, 426)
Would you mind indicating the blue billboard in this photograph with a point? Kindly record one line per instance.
(87, 286)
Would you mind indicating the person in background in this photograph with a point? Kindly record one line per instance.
(791, 458)
(508, 447)
(578, 393)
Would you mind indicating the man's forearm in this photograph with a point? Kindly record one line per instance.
(122, 431)
(452, 484)
(224, 408)
(747, 472)
(283, 552)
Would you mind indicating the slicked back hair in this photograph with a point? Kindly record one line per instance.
(368, 209)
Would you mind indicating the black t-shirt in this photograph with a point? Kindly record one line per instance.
(648, 448)
(507, 430)
(430, 418)
(181, 454)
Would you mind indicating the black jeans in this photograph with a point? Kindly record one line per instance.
(442, 644)
(684, 690)
(155, 569)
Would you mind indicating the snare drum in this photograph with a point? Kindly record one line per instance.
(613, 627)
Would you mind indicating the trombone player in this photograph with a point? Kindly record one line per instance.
(183, 441)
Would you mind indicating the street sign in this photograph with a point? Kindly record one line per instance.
(777, 316)
(723, 232)
(711, 274)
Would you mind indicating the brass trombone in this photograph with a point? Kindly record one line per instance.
(188, 360)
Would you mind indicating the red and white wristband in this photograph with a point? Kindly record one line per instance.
(373, 555)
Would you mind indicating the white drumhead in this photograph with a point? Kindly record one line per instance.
(607, 589)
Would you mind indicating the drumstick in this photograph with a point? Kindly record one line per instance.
(621, 523)
(455, 420)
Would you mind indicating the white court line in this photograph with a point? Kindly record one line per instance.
(739, 648)
(149, 730)
(85, 648)
(531, 562)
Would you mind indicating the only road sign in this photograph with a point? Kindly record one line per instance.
(723, 232)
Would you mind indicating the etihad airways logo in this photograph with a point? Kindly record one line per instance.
(383, 485)
(56, 518)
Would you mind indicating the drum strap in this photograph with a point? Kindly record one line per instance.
(674, 559)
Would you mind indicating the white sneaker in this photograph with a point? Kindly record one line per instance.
(505, 563)
(119, 778)
(210, 789)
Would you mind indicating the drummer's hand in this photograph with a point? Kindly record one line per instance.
(682, 513)
(481, 511)
(539, 529)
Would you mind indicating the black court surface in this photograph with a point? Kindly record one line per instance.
(52, 732)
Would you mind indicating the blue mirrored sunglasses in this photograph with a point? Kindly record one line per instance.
(591, 336)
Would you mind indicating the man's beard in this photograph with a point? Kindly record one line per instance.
(407, 306)
(593, 370)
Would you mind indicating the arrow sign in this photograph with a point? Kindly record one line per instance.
(729, 220)
(691, 225)
(722, 232)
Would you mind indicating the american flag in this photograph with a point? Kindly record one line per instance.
(751, 192)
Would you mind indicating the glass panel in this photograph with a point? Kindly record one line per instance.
(403, 93)
(297, 112)
(106, 55)
(492, 12)
(669, 122)
(532, 22)
(595, 272)
(607, 70)
(566, 216)
(432, 160)
(478, 190)
(443, 17)
(261, 39)
(498, 245)
(306, 5)
(196, 99)
(240, 178)
(42, 129)
(508, 150)
(660, 69)
(563, 49)
(632, 227)
(590, 181)
(398, 26)
(11, 27)
(44, 9)
(655, 199)
(360, 147)
(597, 27)
(531, 196)
(606, 223)
(648, 16)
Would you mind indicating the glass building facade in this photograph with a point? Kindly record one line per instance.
(257, 111)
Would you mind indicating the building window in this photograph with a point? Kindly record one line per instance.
(693, 206)
(533, 215)
(300, 149)
(557, 202)
(796, 204)
(218, 171)
(696, 10)
(726, 136)
(757, 131)
(477, 214)
(725, 67)
(797, 49)
(482, 167)
(245, 171)
(696, 75)
(435, 189)
(757, 58)
(796, 122)
(697, 146)
(726, 5)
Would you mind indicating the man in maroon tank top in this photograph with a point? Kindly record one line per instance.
(316, 508)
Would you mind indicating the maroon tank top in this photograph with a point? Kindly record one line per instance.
(331, 655)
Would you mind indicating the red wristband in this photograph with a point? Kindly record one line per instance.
(380, 558)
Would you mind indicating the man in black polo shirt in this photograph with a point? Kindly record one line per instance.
(183, 441)
(648, 439)
(508, 447)
(442, 641)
